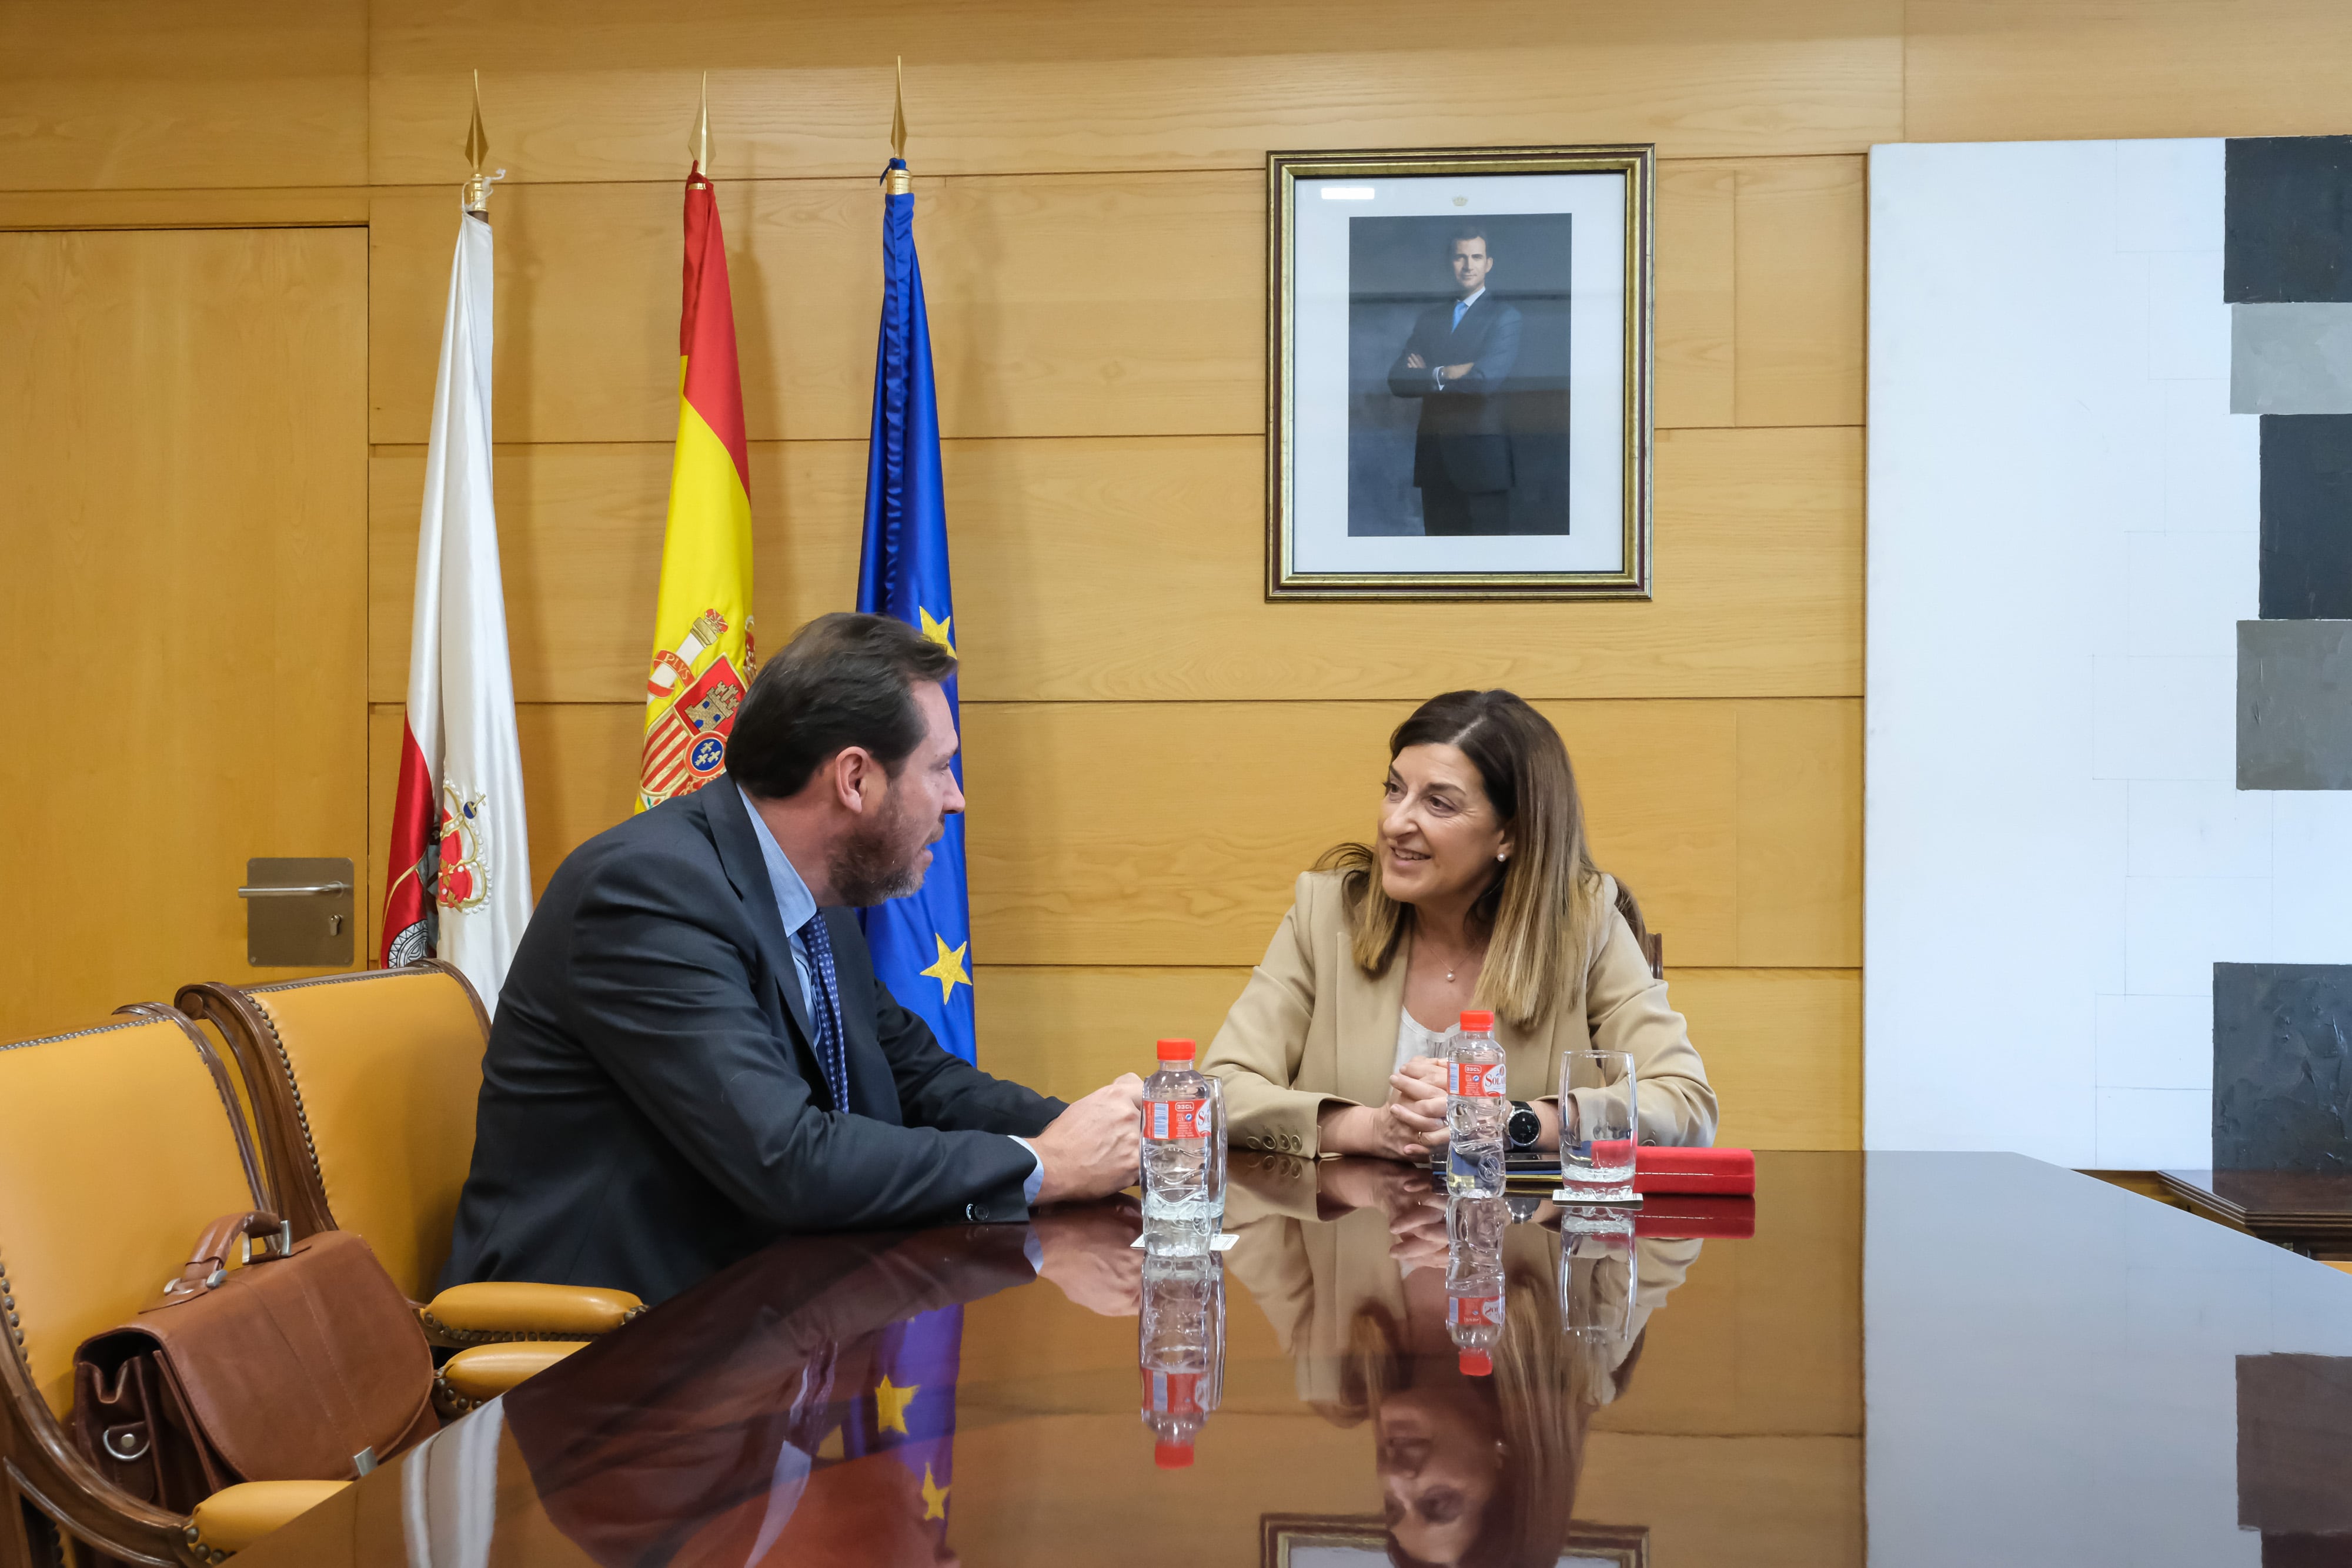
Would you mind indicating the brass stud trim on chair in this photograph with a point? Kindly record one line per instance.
(294, 1084)
(449, 1402)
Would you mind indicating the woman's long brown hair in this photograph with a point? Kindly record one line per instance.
(1541, 911)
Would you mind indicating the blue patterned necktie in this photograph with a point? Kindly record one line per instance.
(824, 1009)
(1461, 309)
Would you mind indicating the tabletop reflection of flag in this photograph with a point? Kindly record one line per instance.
(910, 1412)
(921, 943)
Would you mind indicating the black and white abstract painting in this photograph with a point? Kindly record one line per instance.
(2109, 819)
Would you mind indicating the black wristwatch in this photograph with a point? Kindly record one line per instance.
(1524, 1127)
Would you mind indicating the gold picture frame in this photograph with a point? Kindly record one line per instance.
(1345, 561)
(1281, 1534)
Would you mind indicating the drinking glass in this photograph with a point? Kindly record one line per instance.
(1596, 1090)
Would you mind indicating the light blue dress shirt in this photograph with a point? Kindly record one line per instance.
(797, 904)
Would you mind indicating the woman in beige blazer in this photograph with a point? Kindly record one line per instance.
(1477, 892)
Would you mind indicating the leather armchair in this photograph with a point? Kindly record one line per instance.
(363, 1088)
(121, 1142)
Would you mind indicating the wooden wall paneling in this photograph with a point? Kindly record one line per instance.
(1157, 833)
(580, 540)
(1068, 1031)
(1075, 306)
(336, 206)
(1800, 832)
(1783, 1049)
(1695, 324)
(2009, 71)
(1185, 851)
(1086, 305)
(1127, 569)
(1800, 243)
(607, 90)
(135, 94)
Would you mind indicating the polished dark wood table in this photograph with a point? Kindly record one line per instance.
(1914, 1360)
(2309, 1211)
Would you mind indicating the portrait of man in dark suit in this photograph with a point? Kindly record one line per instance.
(1458, 361)
(1458, 374)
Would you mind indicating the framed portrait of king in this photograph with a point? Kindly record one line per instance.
(1458, 373)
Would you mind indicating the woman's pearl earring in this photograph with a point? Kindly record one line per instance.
(1501, 858)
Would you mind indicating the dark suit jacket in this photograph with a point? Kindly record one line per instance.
(651, 1106)
(1462, 440)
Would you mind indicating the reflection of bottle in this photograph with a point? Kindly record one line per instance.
(1474, 1279)
(1182, 1351)
(673, 666)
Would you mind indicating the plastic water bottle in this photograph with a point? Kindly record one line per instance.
(1474, 1280)
(1476, 1110)
(1183, 1154)
(1182, 1351)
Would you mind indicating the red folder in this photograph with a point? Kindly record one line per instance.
(1724, 1172)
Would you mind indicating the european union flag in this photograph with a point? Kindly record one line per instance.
(922, 942)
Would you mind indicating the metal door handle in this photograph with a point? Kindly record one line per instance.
(319, 890)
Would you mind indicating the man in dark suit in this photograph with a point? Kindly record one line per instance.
(692, 1054)
(1456, 361)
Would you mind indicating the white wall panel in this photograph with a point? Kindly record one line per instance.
(2062, 520)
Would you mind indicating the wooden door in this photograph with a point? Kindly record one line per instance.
(182, 598)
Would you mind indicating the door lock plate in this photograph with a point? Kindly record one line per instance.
(298, 913)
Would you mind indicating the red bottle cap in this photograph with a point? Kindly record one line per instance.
(1177, 1050)
(1173, 1456)
(1478, 1020)
(1478, 1363)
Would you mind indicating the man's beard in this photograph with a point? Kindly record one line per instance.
(878, 863)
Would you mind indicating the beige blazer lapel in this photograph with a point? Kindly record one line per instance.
(1367, 1022)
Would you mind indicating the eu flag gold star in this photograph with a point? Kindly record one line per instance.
(935, 1497)
(890, 1404)
(937, 631)
(949, 970)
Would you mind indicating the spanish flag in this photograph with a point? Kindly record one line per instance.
(702, 625)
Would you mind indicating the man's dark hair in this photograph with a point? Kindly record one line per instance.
(843, 680)
(1469, 231)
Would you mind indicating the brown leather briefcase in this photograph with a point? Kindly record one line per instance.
(306, 1363)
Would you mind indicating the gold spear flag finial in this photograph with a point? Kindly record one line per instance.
(698, 144)
(477, 155)
(898, 182)
(899, 115)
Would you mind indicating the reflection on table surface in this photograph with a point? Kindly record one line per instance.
(2056, 1371)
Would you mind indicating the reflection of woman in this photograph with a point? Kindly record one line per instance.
(1478, 892)
(1473, 1470)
